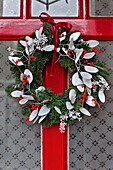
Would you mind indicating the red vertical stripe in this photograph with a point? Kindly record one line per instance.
(54, 144)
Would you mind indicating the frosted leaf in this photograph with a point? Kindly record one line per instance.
(38, 32)
(48, 48)
(44, 110)
(23, 101)
(92, 43)
(16, 93)
(63, 36)
(87, 82)
(41, 88)
(42, 118)
(57, 110)
(21, 76)
(90, 101)
(28, 97)
(28, 72)
(74, 36)
(85, 111)
(91, 69)
(89, 55)
(75, 77)
(101, 95)
(33, 114)
(15, 61)
(23, 43)
(78, 54)
(86, 75)
(69, 106)
(72, 96)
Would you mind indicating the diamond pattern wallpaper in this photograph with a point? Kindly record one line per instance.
(101, 7)
(91, 140)
(20, 144)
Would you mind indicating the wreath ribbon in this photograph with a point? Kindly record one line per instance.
(55, 30)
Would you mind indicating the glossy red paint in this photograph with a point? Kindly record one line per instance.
(100, 28)
(54, 144)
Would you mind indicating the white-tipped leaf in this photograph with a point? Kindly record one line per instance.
(21, 76)
(75, 77)
(65, 50)
(76, 81)
(69, 106)
(71, 45)
(14, 59)
(85, 111)
(90, 101)
(72, 96)
(87, 82)
(41, 88)
(23, 43)
(63, 36)
(44, 110)
(89, 55)
(48, 48)
(23, 101)
(74, 36)
(86, 75)
(92, 43)
(89, 91)
(78, 54)
(39, 32)
(28, 72)
(16, 93)
(33, 114)
(42, 118)
(35, 120)
(57, 49)
(57, 110)
(28, 97)
(91, 69)
(101, 95)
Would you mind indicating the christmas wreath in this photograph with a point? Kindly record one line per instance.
(88, 81)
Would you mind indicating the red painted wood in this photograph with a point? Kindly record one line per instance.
(54, 144)
(99, 28)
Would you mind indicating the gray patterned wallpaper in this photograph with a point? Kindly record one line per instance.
(101, 7)
(91, 140)
(20, 144)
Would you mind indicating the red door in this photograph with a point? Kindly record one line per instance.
(54, 144)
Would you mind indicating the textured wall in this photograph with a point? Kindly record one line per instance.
(20, 144)
(101, 7)
(91, 140)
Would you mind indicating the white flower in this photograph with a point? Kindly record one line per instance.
(40, 39)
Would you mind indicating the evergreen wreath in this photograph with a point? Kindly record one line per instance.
(88, 82)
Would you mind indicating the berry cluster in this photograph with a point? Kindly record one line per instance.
(16, 62)
(96, 50)
(32, 57)
(25, 80)
(83, 96)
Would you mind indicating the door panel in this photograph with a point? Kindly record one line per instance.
(91, 140)
(20, 143)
